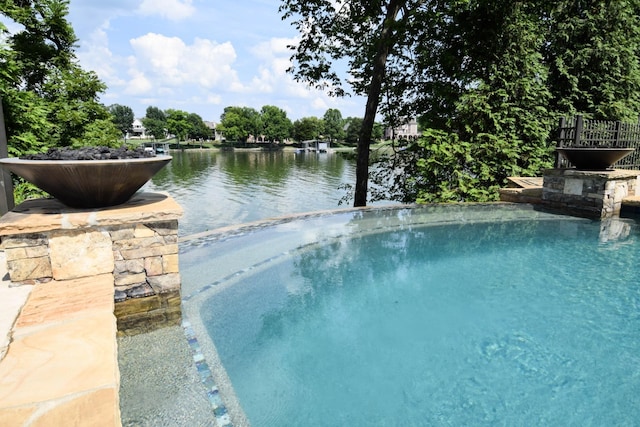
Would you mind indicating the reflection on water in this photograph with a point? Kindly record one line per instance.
(220, 188)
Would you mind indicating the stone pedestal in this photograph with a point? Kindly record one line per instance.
(137, 242)
(592, 194)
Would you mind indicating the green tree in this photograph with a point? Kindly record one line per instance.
(333, 124)
(352, 130)
(593, 55)
(178, 123)
(307, 128)
(155, 122)
(48, 99)
(238, 123)
(122, 117)
(366, 34)
(496, 126)
(199, 129)
(276, 126)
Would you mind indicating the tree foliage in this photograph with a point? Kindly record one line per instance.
(276, 126)
(198, 129)
(122, 117)
(155, 122)
(238, 123)
(308, 128)
(47, 98)
(178, 123)
(592, 51)
(488, 79)
(333, 124)
(365, 34)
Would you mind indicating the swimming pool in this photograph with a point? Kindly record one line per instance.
(442, 315)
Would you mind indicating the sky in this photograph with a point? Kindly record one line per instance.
(199, 56)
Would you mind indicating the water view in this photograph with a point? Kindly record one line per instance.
(220, 188)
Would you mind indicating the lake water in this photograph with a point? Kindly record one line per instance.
(221, 188)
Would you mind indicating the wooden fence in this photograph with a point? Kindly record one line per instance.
(578, 132)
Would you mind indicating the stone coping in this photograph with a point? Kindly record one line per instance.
(39, 215)
(61, 366)
(607, 174)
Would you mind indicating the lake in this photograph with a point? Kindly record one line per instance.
(221, 188)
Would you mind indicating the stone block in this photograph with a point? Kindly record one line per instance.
(573, 186)
(80, 254)
(137, 243)
(153, 266)
(25, 269)
(164, 228)
(170, 263)
(149, 251)
(137, 306)
(166, 310)
(170, 239)
(23, 240)
(621, 191)
(141, 231)
(165, 283)
(121, 233)
(132, 266)
(129, 279)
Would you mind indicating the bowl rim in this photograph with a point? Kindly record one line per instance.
(17, 160)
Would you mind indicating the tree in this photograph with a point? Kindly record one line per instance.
(276, 126)
(178, 123)
(307, 128)
(198, 129)
(487, 79)
(333, 124)
(352, 131)
(237, 123)
(155, 122)
(593, 53)
(47, 98)
(122, 117)
(366, 34)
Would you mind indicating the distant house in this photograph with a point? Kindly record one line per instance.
(408, 130)
(217, 136)
(138, 130)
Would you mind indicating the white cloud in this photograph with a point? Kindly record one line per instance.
(174, 10)
(169, 61)
(139, 83)
(319, 104)
(95, 55)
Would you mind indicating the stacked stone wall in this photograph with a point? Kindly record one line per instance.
(146, 275)
(588, 193)
(143, 259)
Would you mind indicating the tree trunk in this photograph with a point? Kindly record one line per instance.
(373, 99)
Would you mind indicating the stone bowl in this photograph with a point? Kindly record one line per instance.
(592, 158)
(88, 184)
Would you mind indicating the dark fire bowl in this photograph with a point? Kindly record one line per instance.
(88, 183)
(590, 158)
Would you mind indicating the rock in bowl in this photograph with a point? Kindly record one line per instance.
(90, 177)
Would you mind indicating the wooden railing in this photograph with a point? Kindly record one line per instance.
(578, 132)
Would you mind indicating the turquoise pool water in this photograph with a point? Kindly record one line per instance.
(445, 315)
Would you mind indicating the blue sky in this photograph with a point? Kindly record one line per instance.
(195, 55)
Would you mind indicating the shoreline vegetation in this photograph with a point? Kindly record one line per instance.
(217, 145)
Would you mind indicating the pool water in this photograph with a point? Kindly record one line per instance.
(443, 316)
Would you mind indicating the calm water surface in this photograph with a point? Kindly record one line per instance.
(450, 318)
(220, 188)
